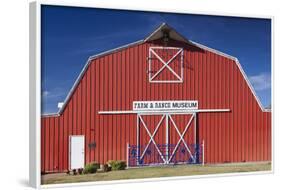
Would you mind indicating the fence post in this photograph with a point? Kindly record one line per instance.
(128, 146)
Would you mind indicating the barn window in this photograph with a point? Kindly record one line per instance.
(165, 64)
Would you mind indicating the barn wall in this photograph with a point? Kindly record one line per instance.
(114, 81)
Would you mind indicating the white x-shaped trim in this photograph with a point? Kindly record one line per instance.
(166, 64)
(181, 138)
(151, 137)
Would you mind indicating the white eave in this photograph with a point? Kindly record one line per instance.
(173, 34)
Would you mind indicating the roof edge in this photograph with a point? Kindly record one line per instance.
(81, 74)
(156, 30)
(263, 109)
(115, 49)
(50, 115)
(160, 27)
(213, 50)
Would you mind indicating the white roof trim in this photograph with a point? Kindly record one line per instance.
(74, 86)
(250, 86)
(174, 35)
(154, 32)
(49, 114)
(212, 50)
(116, 49)
(142, 41)
(82, 73)
(240, 69)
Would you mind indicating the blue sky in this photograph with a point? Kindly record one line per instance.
(70, 35)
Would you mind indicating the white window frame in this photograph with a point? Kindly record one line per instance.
(165, 65)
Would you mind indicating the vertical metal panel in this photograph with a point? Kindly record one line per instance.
(264, 126)
(98, 101)
(42, 145)
(229, 115)
(266, 136)
(110, 105)
(61, 143)
(118, 97)
(102, 105)
(93, 107)
(114, 105)
(264, 144)
(260, 135)
(258, 115)
(268, 118)
(238, 115)
(74, 112)
(216, 103)
(47, 141)
(254, 131)
(235, 114)
(223, 127)
(88, 115)
(66, 131)
(56, 144)
(212, 102)
(246, 123)
(242, 115)
(78, 109)
(202, 117)
(83, 129)
(208, 101)
(52, 144)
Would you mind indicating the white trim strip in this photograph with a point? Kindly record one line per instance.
(181, 135)
(152, 139)
(50, 115)
(82, 73)
(161, 111)
(166, 48)
(77, 81)
(240, 68)
(250, 85)
(86, 66)
(155, 31)
(152, 136)
(166, 81)
(116, 49)
(165, 64)
(183, 39)
(213, 50)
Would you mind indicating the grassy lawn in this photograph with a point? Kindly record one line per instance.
(150, 172)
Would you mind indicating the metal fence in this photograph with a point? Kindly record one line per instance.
(164, 154)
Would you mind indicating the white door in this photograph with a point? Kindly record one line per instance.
(76, 151)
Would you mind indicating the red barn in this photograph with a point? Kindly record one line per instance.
(164, 89)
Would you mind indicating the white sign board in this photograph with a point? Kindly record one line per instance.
(165, 105)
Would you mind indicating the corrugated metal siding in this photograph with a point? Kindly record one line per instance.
(114, 81)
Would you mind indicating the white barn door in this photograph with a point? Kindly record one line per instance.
(76, 152)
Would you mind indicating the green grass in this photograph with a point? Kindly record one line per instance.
(151, 172)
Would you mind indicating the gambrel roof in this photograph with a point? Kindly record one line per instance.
(155, 35)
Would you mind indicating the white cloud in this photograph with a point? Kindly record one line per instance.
(261, 81)
(45, 93)
(53, 94)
